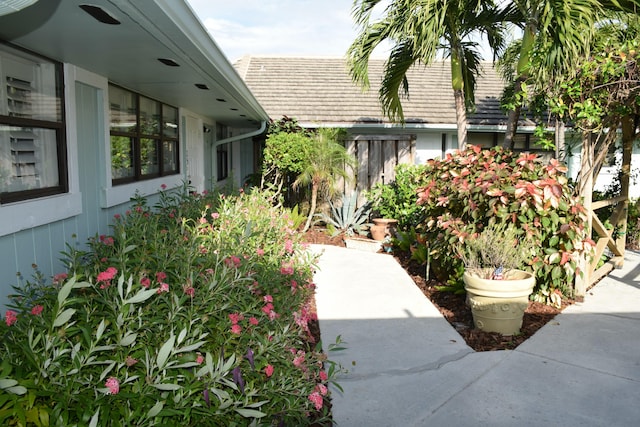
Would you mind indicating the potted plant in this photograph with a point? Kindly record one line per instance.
(497, 288)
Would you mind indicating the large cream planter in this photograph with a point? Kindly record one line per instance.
(499, 305)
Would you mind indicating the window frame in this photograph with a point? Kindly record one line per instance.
(59, 127)
(138, 135)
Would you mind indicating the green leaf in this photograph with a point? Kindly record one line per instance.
(19, 390)
(250, 413)
(100, 330)
(7, 382)
(155, 410)
(165, 351)
(128, 339)
(141, 296)
(191, 347)
(120, 286)
(65, 290)
(167, 387)
(181, 336)
(129, 249)
(64, 317)
(94, 419)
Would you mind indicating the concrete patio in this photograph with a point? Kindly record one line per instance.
(408, 367)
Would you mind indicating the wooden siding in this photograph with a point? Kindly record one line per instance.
(42, 246)
(377, 157)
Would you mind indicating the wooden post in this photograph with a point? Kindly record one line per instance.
(628, 134)
(585, 186)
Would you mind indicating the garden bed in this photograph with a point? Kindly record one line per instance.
(453, 307)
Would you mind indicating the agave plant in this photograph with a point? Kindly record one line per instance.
(346, 217)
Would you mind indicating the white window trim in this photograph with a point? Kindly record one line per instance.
(32, 213)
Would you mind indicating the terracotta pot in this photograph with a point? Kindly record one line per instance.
(499, 305)
(383, 227)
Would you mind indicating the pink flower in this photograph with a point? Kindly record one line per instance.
(36, 310)
(59, 278)
(299, 359)
(215, 215)
(267, 298)
(323, 376)
(163, 186)
(254, 321)
(113, 385)
(117, 216)
(108, 241)
(268, 371)
(199, 359)
(288, 246)
(160, 276)
(316, 399)
(232, 261)
(145, 282)
(236, 329)
(235, 318)
(286, 269)
(164, 287)
(267, 308)
(107, 275)
(10, 317)
(260, 252)
(130, 361)
(189, 290)
(322, 389)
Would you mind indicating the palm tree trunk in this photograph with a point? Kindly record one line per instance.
(312, 209)
(522, 71)
(461, 119)
(512, 127)
(457, 83)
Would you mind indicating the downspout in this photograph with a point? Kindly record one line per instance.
(214, 144)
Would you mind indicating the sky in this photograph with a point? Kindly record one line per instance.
(279, 27)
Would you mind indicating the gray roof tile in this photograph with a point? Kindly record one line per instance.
(321, 90)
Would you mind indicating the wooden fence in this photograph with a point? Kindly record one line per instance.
(377, 157)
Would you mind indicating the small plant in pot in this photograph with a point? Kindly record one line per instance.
(497, 289)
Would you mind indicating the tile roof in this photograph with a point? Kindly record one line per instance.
(320, 90)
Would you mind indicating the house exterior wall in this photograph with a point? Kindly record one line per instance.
(35, 232)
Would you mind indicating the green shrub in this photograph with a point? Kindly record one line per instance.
(468, 190)
(398, 199)
(189, 315)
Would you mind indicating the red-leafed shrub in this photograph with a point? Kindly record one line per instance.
(469, 190)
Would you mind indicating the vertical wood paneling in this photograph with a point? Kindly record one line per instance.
(363, 167)
(390, 162)
(375, 162)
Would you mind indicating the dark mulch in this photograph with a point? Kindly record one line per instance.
(454, 308)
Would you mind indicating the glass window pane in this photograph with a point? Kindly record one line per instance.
(170, 121)
(28, 159)
(31, 85)
(123, 110)
(170, 156)
(121, 157)
(149, 116)
(149, 163)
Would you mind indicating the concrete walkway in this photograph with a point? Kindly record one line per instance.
(408, 367)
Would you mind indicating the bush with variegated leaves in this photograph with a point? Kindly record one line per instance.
(468, 190)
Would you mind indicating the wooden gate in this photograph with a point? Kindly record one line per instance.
(377, 157)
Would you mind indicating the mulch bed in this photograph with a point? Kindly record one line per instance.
(454, 308)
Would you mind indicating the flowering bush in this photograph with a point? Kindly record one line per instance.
(192, 313)
(471, 189)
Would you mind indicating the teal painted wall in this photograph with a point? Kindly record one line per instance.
(42, 246)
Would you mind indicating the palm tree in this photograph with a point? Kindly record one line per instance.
(418, 31)
(328, 161)
(556, 33)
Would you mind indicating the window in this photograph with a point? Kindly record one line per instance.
(32, 128)
(222, 153)
(144, 137)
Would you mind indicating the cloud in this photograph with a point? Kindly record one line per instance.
(283, 27)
